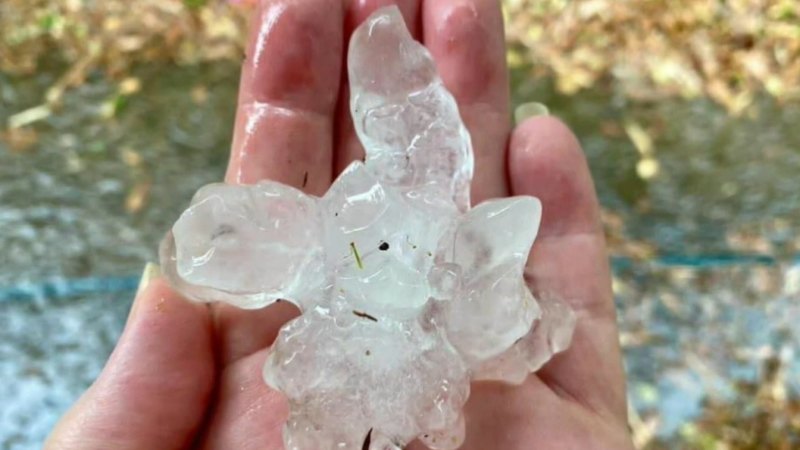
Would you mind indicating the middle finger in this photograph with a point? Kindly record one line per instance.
(467, 42)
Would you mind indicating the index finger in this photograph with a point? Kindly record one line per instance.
(284, 129)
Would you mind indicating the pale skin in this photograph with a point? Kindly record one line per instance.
(186, 375)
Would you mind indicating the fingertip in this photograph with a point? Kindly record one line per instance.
(547, 134)
(288, 93)
(159, 303)
(156, 385)
(165, 352)
(467, 41)
(546, 161)
(293, 55)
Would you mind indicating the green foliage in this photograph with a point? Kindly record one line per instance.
(195, 4)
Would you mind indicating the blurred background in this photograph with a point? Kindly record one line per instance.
(112, 113)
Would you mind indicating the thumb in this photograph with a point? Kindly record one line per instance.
(155, 387)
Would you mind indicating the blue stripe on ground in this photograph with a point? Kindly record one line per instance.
(62, 288)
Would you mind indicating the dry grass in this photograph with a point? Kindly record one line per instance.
(115, 35)
(726, 50)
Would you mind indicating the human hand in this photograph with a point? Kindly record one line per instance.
(189, 375)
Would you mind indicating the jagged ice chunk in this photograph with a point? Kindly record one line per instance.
(406, 292)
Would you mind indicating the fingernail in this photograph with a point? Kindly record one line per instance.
(532, 109)
(150, 272)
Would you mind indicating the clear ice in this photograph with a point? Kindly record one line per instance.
(406, 292)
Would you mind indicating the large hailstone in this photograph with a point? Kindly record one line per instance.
(406, 292)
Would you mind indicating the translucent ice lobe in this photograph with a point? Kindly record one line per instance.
(493, 312)
(495, 232)
(248, 245)
(375, 237)
(345, 374)
(384, 60)
(552, 334)
(494, 307)
(406, 119)
(364, 212)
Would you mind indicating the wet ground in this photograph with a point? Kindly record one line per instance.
(707, 276)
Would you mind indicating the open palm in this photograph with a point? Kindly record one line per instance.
(186, 375)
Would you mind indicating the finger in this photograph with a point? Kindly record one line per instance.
(532, 416)
(287, 95)
(569, 261)
(467, 42)
(284, 127)
(249, 415)
(156, 385)
(348, 147)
